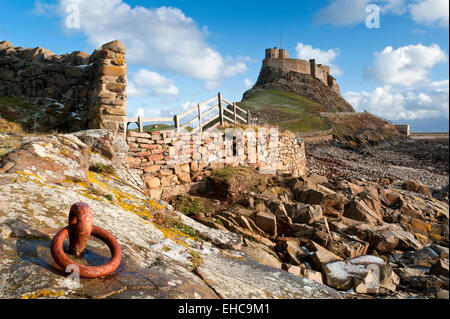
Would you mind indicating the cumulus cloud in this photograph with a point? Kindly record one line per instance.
(408, 65)
(430, 101)
(162, 38)
(306, 52)
(430, 12)
(343, 12)
(145, 81)
(349, 12)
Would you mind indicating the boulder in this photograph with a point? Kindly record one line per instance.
(385, 238)
(267, 222)
(54, 159)
(308, 214)
(115, 46)
(5, 45)
(416, 187)
(358, 209)
(365, 274)
(390, 198)
(294, 252)
(311, 275)
(295, 270)
(310, 196)
(261, 253)
(333, 205)
(320, 256)
(440, 268)
(318, 179)
(425, 257)
(346, 246)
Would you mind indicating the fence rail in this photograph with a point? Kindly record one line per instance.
(234, 115)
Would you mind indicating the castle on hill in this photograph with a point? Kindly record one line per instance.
(279, 58)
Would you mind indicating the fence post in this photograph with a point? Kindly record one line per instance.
(176, 120)
(235, 113)
(248, 117)
(141, 126)
(219, 96)
(200, 124)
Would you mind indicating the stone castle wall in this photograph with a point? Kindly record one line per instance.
(279, 58)
(152, 156)
(89, 90)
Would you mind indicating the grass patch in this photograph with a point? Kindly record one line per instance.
(103, 169)
(307, 124)
(109, 197)
(283, 101)
(196, 259)
(189, 206)
(170, 220)
(233, 182)
(287, 110)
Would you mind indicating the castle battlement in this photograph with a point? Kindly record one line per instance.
(280, 58)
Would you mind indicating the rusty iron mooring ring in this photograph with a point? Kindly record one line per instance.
(79, 229)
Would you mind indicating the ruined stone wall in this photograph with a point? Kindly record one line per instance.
(87, 90)
(403, 129)
(152, 155)
(295, 65)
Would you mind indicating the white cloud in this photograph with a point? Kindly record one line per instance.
(349, 12)
(163, 38)
(145, 80)
(306, 52)
(248, 83)
(343, 12)
(430, 101)
(187, 105)
(42, 8)
(408, 65)
(135, 92)
(430, 12)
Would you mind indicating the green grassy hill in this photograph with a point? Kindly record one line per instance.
(286, 110)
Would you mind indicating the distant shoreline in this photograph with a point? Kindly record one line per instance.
(430, 135)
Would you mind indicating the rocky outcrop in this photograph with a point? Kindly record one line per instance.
(303, 84)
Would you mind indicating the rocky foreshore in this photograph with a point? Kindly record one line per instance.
(353, 227)
(381, 211)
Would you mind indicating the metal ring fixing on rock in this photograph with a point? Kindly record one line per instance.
(79, 230)
(88, 271)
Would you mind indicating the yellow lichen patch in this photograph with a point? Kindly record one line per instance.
(227, 253)
(30, 177)
(128, 202)
(44, 293)
(175, 235)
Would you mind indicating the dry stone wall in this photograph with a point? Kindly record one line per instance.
(80, 89)
(167, 159)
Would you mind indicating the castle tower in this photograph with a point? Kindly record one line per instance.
(283, 54)
(272, 53)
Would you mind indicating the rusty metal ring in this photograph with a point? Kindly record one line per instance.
(87, 271)
(79, 230)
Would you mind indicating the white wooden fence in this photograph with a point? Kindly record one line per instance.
(227, 112)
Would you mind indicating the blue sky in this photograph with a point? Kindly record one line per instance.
(182, 52)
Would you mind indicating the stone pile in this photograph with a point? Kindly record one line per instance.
(355, 235)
